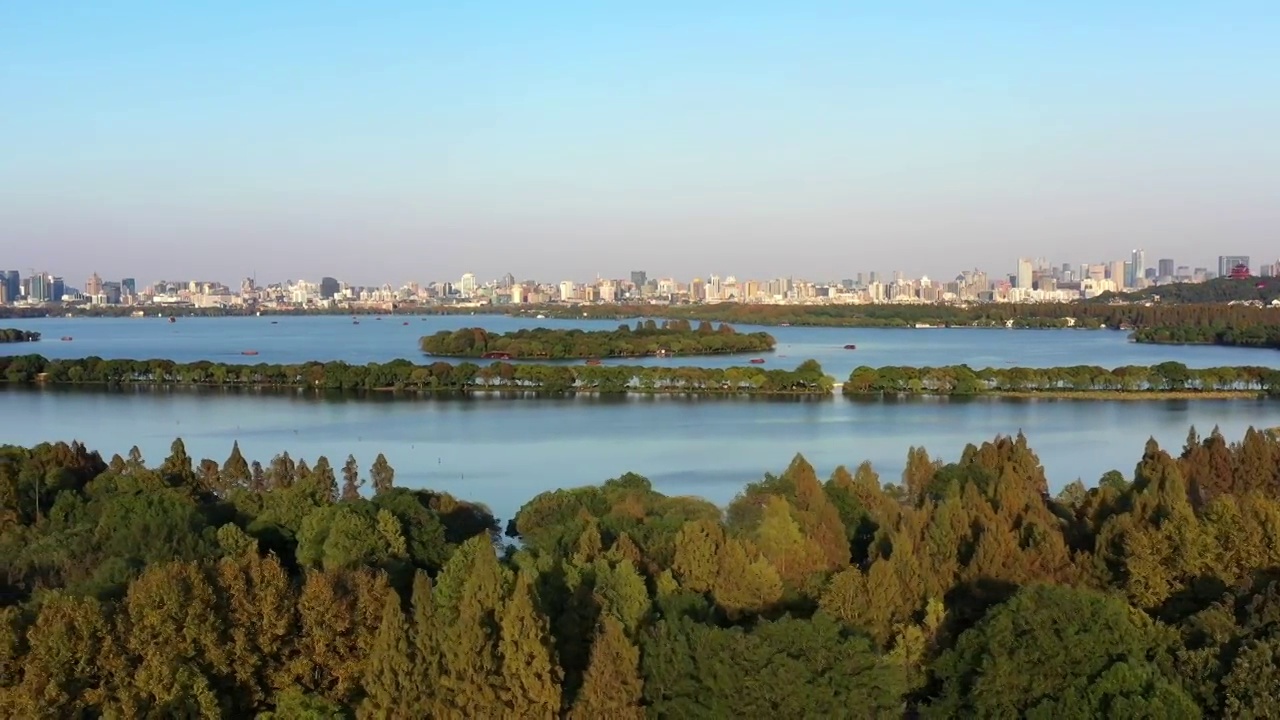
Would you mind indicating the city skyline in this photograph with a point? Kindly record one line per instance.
(1213, 264)
(569, 140)
(1035, 280)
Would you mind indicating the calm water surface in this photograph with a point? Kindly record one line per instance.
(502, 452)
(299, 339)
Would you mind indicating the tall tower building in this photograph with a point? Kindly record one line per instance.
(1025, 274)
(1139, 260)
(467, 285)
(1165, 267)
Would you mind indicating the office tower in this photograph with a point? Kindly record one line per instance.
(1117, 269)
(1166, 268)
(39, 291)
(14, 282)
(508, 281)
(328, 288)
(1024, 278)
(467, 286)
(639, 278)
(566, 290)
(1227, 262)
(1130, 280)
(875, 276)
(4, 291)
(1139, 260)
(57, 288)
(130, 287)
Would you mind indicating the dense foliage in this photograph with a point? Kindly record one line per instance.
(1218, 290)
(1165, 377)
(404, 376)
(1088, 315)
(13, 335)
(199, 589)
(1259, 336)
(647, 339)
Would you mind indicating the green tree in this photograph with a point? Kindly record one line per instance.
(383, 474)
(530, 676)
(612, 687)
(389, 669)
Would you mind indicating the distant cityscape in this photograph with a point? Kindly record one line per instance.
(1034, 280)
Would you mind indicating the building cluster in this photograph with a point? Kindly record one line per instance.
(1033, 281)
(1038, 280)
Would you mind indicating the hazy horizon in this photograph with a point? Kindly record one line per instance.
(418, 141)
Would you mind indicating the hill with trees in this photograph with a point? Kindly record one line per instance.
(303, 590)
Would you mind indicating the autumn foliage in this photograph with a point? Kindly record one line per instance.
(964, 589)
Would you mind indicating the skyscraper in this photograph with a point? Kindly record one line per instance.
(39, 288)
(1024, 278)
(329, 288)
(13, 282)
(1139, 260)
(1166, 267)
(639, 278)
(467, 286)
(57, 288)
(130, 287)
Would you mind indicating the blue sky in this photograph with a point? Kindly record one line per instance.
(388, 141)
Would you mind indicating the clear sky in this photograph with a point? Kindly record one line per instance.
(398, 140)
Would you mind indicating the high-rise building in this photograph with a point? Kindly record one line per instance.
(1139, 260)
(14, 282)
(39, 291)
(1117, 273)
(1226, 263)
(93, 286)
(566, 290)
(1024, 277)
(129, 287)
(467, 286)
(508, 281)
(1166, 267)
(57, 288)
(639, 278)
(329, 288)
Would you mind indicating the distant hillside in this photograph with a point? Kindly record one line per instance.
(1220, 290)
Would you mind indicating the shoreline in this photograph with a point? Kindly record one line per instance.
(518, 393)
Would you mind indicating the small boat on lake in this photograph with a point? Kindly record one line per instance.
(66, 338)
(757, 361)
(593, 361)
(173, 319)
(355, 322)
(248, 352)
(850, 347)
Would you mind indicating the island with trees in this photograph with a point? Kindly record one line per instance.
(1254, 335)
(14, 335)
(965, 588)
(1167, 380)
(646, 339)
(402, 376)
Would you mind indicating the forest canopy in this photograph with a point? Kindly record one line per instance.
(964, 588)
(646, 339)
(807, 378)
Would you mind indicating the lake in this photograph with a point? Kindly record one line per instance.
(299, 339)
(502, 452)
